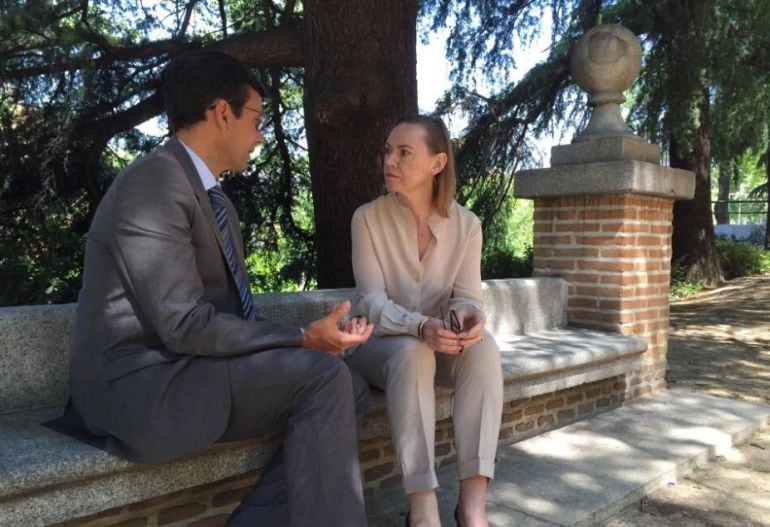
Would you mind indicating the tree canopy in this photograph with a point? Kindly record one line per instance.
(79, 76)
(701, 95)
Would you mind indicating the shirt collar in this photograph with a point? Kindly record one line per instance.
(435, 222)
(207, 177)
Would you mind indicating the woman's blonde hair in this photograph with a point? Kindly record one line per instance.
(438, 141)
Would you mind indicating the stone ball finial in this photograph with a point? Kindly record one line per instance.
(604, 63)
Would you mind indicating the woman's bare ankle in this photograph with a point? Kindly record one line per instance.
(423, 509)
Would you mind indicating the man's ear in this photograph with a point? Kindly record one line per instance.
(220, 112)
(439, 162)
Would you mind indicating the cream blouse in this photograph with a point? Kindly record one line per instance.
(394, 289)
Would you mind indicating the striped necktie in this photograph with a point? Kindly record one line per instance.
(217, 197)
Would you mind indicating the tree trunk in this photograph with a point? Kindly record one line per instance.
(767, 211)
(721, 209)
(693, 236)
(360, 75)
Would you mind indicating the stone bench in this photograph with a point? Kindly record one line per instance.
(46, 477)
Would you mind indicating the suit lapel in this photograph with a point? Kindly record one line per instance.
(204, 202)
(201, 195)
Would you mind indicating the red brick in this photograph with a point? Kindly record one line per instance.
(649, 240)
(623, 252)
(575, 252)
(592, 392)
(648, 265)
(545, 420)
(554, 239)
(555, 264)
(180, 512)
(607, 265)
(213, 521)
(390, 481)
(377, 472)
(565, 414)
(136, 522)
(523, 427)
(230, 496)
(610, 214)
(611, 240)
(369, 455)
(534, 409)
(555, 403)
(577, 301)
(661, 229)
(625, 303)
(598, 291)
(585, 408)
(160, 500)
(576, 227)
(624, 228)
(506, 433)
(621, 279)
(591, 278)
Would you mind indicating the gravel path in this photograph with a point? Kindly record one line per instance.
(719, 343)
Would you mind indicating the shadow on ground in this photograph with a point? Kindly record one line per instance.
(719, 343)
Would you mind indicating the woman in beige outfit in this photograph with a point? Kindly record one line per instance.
(416, 259)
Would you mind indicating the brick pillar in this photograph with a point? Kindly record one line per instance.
(615, 253)
(604, 210)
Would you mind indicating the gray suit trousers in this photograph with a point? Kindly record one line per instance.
(311, 398)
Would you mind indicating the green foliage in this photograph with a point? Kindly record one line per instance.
(681, 288)
(507, 251)
(742, 259)
(76, 79)
(736, 259)
(685, 290)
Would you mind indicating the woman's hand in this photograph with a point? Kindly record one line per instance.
(440, 339)
(471, 325)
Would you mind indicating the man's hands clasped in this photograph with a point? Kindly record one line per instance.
(333, 335)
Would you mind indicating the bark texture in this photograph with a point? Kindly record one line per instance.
(360, 75)
(693, 237)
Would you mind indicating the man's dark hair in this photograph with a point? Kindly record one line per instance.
(191, 83)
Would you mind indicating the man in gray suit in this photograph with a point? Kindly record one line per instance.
(169, 355)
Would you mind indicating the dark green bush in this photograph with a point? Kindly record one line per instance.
(741, 259)
(500, 262)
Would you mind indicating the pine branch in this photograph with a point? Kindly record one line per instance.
(276, 47)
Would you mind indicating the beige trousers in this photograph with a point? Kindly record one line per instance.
(406, 368)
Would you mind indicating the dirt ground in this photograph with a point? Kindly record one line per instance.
(719, 343)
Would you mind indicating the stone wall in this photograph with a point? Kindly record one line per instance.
(209, 505)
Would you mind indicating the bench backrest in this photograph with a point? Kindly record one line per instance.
(35, 340)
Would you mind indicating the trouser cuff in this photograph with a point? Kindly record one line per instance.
(477, 467)
(417, 482)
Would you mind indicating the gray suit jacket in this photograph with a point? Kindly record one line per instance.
(158, 315)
